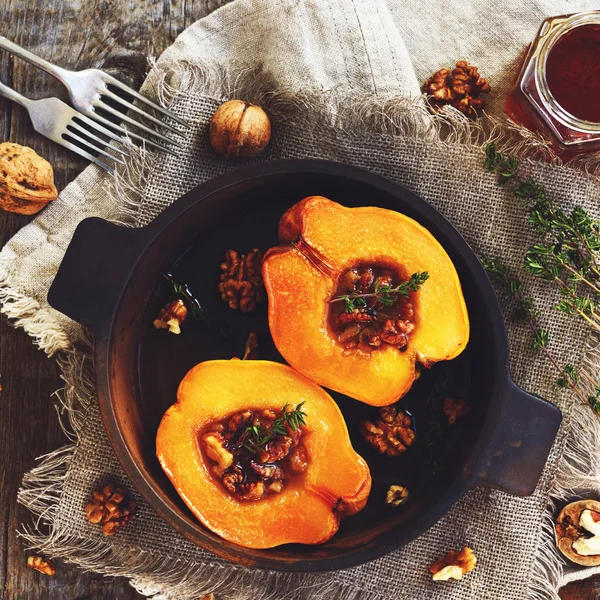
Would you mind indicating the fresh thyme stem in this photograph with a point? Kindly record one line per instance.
(256, 437)
(568, 253)
(525, 311)
(579, 277)
(386, 294)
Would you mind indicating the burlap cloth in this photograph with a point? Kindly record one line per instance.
(354, 52)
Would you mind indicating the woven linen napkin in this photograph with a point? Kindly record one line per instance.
(353, 53)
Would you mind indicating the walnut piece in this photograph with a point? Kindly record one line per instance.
(110, 508)
(172, 316)
(578, 532)
(358, 315)
(251, 349)
(276, 449)
(461, 87)
(239, 130)
(396, 495)
(391, 333)
(275, 486)
(239, 420)
(214, 446)
(232, 479)
(391, 434)
(26, 180)
(252, 491)
(241, 284)
(455, 408)
(298, 461)
(267, 471)
(453, 565)
(41, 564)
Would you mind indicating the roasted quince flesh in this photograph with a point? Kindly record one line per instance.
(250, 472)
(364, 350)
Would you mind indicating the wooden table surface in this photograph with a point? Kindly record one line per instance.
(115, 35)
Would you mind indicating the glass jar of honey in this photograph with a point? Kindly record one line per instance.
(557, 91)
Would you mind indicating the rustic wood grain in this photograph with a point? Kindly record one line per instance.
(116, 35)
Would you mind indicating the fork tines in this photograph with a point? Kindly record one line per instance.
(86, 141)
(119, 102)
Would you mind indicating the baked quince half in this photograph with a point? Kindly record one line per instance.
(260, 454)
(359, 296)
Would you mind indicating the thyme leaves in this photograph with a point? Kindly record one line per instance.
(384, 293)
(567, 255)
(255, 437)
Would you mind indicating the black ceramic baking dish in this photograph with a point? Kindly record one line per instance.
(111, 280)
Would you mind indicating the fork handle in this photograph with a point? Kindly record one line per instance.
(9, 93)
(15, 49)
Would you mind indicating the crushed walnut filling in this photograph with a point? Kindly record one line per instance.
(255, 453)
(374, 320)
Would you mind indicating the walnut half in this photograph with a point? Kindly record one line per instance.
(578, 532)
(453, 565)
(110, 508)
(391, 434)
(241, 285)
(461, 87)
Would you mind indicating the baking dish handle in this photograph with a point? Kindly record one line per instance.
(519, 444)
(94, 271)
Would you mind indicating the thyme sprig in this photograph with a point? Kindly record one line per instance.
(568, 253)
(255, 437)
(523, 310)
(384, 293)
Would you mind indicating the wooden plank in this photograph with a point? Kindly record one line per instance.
(116, 35)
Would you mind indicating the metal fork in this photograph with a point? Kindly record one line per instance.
(59, 122)
(88, 90)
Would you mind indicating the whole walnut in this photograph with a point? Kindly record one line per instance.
(26, 180)
(239, 130)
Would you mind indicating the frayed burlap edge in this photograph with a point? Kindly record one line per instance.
(173, 577)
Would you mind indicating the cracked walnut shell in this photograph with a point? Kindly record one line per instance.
(453, 565)
(110, 508)
(241, 285)
(26, 180)
(396, 495)
(461, 87)
(391, 434)
(578, 532)
(239, 130)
